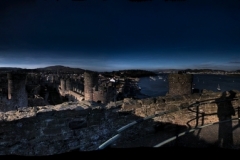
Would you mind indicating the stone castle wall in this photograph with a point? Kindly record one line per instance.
(180, 84)
(71, 90)
(10, 85)
(68, 85)
(100, 96)
(78, 87)
(90, 81)
(104, 94)
(91, 90)
(63, 85)
(17, 96)
(19, 90)
(186, 107)
(46, 130)
(75, 96)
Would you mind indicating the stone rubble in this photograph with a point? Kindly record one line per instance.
(50, 130)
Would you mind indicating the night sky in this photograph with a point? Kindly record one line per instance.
(119, 34)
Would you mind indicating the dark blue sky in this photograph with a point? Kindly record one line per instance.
(119, 34)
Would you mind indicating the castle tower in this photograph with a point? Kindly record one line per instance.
(63, 85)
(68, 85)
(100, 95)
(10, 85)
(180, 83)
(17, 89)
(90, 80)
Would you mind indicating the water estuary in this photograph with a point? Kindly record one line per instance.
(158, 85)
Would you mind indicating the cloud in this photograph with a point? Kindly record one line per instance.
(218, 66)
(31, 62)
(234, 62)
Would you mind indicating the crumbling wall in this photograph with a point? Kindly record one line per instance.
(183, 108)
(104, 94)
(46, 130)
(180, 84)
(17, 96)
(100, 96)
(76, 96)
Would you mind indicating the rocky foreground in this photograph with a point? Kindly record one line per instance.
(52, 130)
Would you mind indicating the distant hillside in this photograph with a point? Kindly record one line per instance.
(62, 69)
(165, 70)
(203, 70)
(134, 73)
(57, 67)
(7, 69)
(188, 70)
(128, 73)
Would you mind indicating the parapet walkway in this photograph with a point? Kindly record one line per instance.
(202, 137)
(222, 134)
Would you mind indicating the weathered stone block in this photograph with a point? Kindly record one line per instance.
(150, 111)
(77, 124)
(68, 113)
(184, 105)
(130, 106)
(160, 100)
(97, 110)
(127, 100)
(180, 84)
(168, 99)
(54, 124)
(172, 108)
(51, 131)
(194, 96)
(45, 114)
(148, 101)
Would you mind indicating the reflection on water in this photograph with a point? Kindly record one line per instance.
(153, 88)
(159, 86)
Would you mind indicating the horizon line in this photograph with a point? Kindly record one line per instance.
(153, 70)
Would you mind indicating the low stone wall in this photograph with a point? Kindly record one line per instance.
(47, 130)
(72, 95)
(184, 109)
(75, 95)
